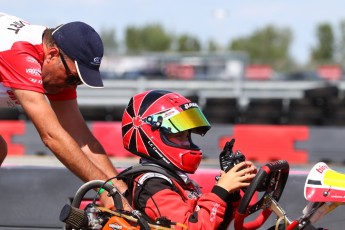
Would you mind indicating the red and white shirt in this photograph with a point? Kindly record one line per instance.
(21, 59)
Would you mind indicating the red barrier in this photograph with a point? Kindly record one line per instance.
(258, 72)
(261, 143)
(266, 143)
(9, 129)
(109, 134)
(330, 72)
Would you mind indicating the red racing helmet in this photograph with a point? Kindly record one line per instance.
(150, 115)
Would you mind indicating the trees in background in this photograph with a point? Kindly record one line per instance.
(268, 45)
(340, 47)
(323, 52)
(151, 38)
(213, 46)
(109, 39)
(188, 43)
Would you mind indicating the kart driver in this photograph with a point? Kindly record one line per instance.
(158, 125)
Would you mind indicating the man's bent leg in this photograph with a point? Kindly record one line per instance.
(3, 150)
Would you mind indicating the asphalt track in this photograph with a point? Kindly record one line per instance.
(296, 171)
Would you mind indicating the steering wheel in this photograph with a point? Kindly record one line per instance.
(77, 219)
(271, 180)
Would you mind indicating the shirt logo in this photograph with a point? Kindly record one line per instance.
(37, 81)
(31, 59)
(16, 26)
(33, 71)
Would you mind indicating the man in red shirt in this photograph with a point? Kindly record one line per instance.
(40, 69)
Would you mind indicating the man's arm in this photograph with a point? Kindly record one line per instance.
(69, 116)
(73, 144)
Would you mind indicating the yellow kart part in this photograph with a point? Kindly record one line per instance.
(334, 179)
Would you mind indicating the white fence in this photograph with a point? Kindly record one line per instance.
(118, 92)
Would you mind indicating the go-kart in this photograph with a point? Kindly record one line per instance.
(324, 190)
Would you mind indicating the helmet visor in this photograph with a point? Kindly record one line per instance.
(175, 121)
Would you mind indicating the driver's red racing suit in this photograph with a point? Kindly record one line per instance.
(157, 195)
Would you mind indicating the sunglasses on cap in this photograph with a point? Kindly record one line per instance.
(71, 78)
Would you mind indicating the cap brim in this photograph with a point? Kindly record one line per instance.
(90, 77)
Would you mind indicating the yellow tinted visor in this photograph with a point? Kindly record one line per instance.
(191, 118)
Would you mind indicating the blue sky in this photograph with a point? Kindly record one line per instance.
(217, 19)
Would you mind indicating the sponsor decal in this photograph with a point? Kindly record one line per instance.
(190, 105)
(170, 113)
(96, 61)
(321, 168)
(31, 59)
(192, 195)
(33, 71)
(16, 26)
(154, 148)
(37, 81)
(213, 213)
(115, 226)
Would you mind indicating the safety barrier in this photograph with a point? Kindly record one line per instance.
(262, 143)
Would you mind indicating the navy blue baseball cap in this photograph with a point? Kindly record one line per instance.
(82, 43)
